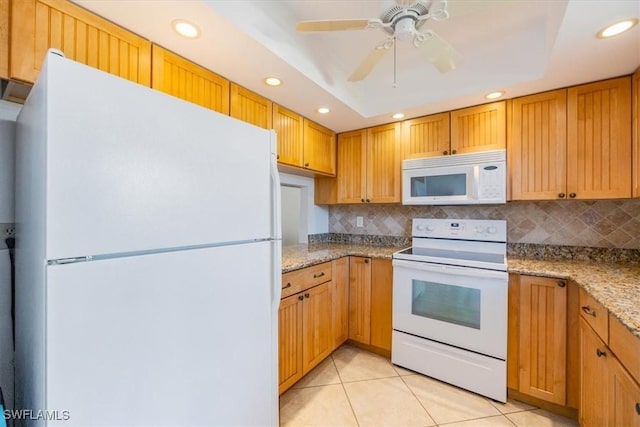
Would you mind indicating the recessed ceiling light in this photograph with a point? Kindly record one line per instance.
(617, 28)
(323, 110)
(273, 81)
(398, 116)
(185, 28)
(494, 95)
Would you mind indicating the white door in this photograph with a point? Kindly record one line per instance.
(129, 169)
(182, 338)
(464, 307)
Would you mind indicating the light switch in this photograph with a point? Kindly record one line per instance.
(359, 221)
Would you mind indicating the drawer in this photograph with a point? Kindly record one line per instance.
(625, 346)
(595, 314)
(305, 278)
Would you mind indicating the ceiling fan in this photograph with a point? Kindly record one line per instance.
(402, 22)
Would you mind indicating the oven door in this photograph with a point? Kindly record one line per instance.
(460, 306)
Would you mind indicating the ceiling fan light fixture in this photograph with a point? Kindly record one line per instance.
(494, 95)
(323, 110)
(185, 28)
(617, 28)
(398, 116)
(273, 81)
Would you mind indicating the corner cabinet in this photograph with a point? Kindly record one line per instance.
(174, 75)
(37, 25)
(250, 107)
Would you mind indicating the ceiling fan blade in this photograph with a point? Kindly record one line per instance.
(371, 61)
(334, 25)
(440, 53)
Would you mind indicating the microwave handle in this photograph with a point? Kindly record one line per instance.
(475, 179)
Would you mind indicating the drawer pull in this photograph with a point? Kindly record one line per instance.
(316, 275)
(600, 353)
(562, 283)
(589, 310)
(288, 285)
(638, 408)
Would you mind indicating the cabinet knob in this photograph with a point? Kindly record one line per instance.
(562, 283)
(368, 200)
(366, 261)
(306, 295)
(561, 195)
(588, 310)
(300, 297)
(288, 285)
(572, 195)
(315, 276)
(445, 152)
(306, 165)
(601, 353)
(278, 157)
(454, 151)
(362, 200)
(637, 408)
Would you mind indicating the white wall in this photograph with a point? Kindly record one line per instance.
(313, 219)
(291, 216)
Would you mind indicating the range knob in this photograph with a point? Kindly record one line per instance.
(421, 227)
(430, 228)
(479, 229)
(491, 230)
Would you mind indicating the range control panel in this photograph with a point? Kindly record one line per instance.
(490, 230)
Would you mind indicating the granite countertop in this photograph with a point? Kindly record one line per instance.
(614, 285)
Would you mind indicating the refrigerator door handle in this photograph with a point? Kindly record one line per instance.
(276, 226)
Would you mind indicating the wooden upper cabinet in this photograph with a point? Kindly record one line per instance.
(635, 127)
(543, 338)
(425, 136)
(289, 129)
(599, 140)
(319, 152)
(383, 164)
(351, 176)
(183, 79)
(537, 146)
(4, 39)
(479, 128)
(37, 25)
(251, 107)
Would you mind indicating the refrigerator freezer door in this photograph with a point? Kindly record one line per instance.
(181, 338)
(130, 169)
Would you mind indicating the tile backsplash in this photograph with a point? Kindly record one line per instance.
(602, 223)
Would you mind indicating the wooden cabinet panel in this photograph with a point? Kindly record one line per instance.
(381, 303)
(479, 128)
(595, 315)
(624, 403)
(537, 146)
(319, 148)
(340, 301)
(317, 341)
(4, 39)
(289, 341)
(626, 346)
(383, 164)
(635, 128)
(599, 140)
(543, 338)
(305, 278)
(174, 75)
(425, 136)
(37, 25)
(351, 176)
(360, 299)
(290, 131)
(251, 107)
(594, 368)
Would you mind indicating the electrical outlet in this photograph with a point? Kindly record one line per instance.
(8, 230)
(359, 221)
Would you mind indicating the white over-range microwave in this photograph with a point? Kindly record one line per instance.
(459, 179)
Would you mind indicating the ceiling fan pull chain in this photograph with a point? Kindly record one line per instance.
(395, 83)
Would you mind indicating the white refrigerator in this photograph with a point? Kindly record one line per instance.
(148, 258)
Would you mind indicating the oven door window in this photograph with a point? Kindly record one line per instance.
(452, 304)
(439, 185)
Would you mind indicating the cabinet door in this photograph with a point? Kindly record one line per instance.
(383, 164)
(594, 378)
(183, 79)
(381, 303)
(351, 176)
(543, 338)
(317, 341)
(425, 136)
(290, 131)
(635, 126)
(537, 146)
(360, 299)
(479, 128)
(4, 39)
(37, 25)
(625, 397)
(251, 107)
(340, 301)
(599, 140)
(290, 341)
(319, 148)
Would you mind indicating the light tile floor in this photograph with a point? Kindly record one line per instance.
(354, 387)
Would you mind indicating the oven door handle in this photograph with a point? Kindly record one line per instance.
(448, 269)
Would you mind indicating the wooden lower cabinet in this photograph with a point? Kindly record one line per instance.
(360, 299)
(317, 340)
(290, 341)
(381, 303)
(594, 371)
(340, 301)
(624, 398)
